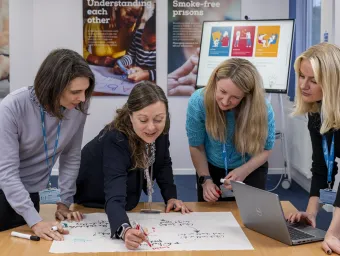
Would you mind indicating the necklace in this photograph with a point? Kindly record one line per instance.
(151, 155)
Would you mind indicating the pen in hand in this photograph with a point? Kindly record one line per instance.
(139, 227)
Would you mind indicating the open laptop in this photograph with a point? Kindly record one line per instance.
(261, 211)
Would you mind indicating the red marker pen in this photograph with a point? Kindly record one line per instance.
(139, 227)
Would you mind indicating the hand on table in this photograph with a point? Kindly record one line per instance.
(44, 230)
(63, 212)
(177, 205)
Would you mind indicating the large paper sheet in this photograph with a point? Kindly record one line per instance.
(167, 232)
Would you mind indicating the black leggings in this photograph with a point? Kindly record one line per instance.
(256, 179)
(8, 217)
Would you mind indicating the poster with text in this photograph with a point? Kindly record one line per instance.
(119, 43)
(267, 43)
(243, 41)
(185, 19)
(4, 48)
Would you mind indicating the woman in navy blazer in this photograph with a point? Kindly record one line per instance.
(116, 164)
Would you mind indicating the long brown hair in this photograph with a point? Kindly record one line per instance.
(251, 126)
(142, 95)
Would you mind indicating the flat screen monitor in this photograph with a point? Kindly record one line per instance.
(266, 43)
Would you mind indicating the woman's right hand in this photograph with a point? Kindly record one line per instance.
(308, 218)
(43, 229)
(210, 191)
(133, 238)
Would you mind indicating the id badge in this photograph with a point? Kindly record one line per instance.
(49, 196)
(226, 192)
(327, 196)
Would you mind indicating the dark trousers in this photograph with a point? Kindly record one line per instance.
(256, 179)
(8, 217)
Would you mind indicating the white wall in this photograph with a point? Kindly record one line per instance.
(270, 9)
(38, 26)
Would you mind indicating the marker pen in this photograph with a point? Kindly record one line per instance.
(122, 67)
(222, 180)
(29, 237)
(139, 227)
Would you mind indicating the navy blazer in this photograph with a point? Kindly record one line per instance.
(106, 180)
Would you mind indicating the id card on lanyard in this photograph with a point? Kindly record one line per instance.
(225, 192)
(49, 195)
(327, 196)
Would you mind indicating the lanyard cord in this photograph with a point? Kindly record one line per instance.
(49, 168)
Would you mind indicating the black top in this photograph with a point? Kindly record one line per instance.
(105, 178)
(319, 168)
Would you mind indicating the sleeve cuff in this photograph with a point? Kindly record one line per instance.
(66, 202)
(170, 194)
(31, 217)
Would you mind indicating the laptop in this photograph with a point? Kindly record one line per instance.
(261, 211)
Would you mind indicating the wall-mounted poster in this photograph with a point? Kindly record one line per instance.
(185, 19)
(120, 43)
(4, 48)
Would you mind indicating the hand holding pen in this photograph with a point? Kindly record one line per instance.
(139, 227)
(211, 192)
(50, 230)
(135, 236)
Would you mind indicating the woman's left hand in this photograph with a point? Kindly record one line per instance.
(331, 244)
(63, 213)
(176, 206)
(237, 174)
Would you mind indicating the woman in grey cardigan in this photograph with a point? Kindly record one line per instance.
(38, 124)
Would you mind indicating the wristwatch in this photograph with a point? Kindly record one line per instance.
(202, 179)
(121, 231)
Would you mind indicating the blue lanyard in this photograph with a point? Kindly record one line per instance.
(225, 158)
(329, 158)
(49, 168)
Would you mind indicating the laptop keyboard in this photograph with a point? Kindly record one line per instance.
(297, 234)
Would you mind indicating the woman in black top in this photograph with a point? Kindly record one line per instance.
(318, 94)
(115, 165)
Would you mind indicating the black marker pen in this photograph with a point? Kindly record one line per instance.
(29, 237)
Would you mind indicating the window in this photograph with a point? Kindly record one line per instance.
(315, 24)
(307, 15)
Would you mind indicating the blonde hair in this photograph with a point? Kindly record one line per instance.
(251, 124)
(325, 62)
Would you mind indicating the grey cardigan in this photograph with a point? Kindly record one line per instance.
(23, 167)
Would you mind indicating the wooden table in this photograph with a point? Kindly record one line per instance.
(262, 244)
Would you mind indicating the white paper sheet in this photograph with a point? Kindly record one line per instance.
(167, 232)
(108, 82)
